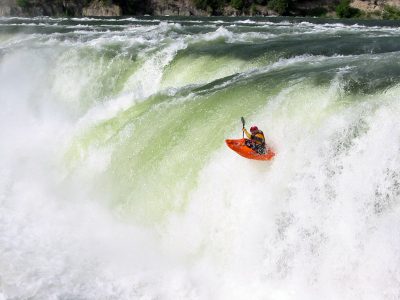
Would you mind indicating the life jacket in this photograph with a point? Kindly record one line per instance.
(258, 137)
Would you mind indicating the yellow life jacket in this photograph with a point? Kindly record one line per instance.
(258, 137)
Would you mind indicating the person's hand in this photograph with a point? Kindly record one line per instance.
(244, 129)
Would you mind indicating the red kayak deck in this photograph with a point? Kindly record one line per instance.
(239, 147)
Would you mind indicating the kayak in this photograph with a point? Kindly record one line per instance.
(240, 148)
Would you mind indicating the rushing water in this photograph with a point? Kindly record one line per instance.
(115, 182)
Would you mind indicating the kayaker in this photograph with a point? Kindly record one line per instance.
(256, 139)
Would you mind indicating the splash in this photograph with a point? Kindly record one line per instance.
(115, 182)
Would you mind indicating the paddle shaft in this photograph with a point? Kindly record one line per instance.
(243, 122)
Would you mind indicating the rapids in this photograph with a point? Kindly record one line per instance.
(115, 181)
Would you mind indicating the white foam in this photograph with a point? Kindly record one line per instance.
(319, 221)
(290, 222)
(146, 81)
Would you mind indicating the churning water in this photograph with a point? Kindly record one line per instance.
(115, 182)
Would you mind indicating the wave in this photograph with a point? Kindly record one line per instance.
(115, 181)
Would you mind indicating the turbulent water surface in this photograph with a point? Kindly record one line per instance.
(115, 182)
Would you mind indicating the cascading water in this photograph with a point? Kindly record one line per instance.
(115, 182)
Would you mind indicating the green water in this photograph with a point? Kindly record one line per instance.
(116, 183)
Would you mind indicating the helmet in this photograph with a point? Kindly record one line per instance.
(253, 128)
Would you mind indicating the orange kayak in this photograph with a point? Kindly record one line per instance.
(239, 147)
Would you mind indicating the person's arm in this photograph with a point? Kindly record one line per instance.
(247, 133)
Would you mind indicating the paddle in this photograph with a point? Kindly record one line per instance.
(243, 122)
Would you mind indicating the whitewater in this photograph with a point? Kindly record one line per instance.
(116, 183)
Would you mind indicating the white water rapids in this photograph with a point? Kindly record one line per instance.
(115, 182)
